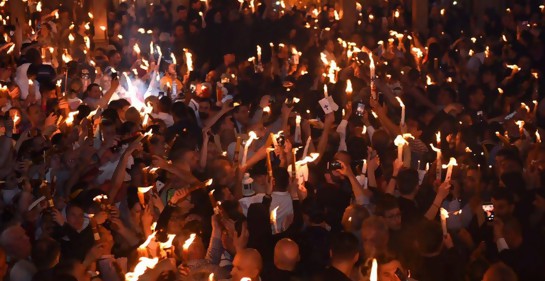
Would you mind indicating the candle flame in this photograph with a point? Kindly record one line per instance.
(173, 58)
(444, 214)
(400, 102)
(136, 48)
(144, 189)
(435, 148)
(349, 87)
(188, 60)
(267, 109)
(400, 140)
(90, 15)
(209, 182)
(143, 265)
(16, 118)
(168, 243)
(374, 271)
(70, 117)
(523, 105)
(211, 277)
(538, 137)
(438, 137)
(500, 90)
(451, 162)
(189, 241)
(520, 123)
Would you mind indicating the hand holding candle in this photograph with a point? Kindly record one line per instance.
(251, 137)
(141, 193)
(402, 122)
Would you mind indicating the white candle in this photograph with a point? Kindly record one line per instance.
(349, 89)
(452, 162)
(400, 143)
(258, 54)
(402, 122)
(297, 137)
(374, 271)
(252, 137)
(444, 216)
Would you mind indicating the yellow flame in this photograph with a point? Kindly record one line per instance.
(144, 189)
(143, 265)
(70, 117)
(451, 162)
(173, 57)
(374, 271)
(444, 214)
(349, 86)
(400, 102)
(136, 49)
(189, 241)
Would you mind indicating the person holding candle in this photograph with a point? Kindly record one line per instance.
(344, 255)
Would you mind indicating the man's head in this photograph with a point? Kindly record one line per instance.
(204, 108)
(247, 263)
(36, 115)
(353, 217)
(286, 254)
(407, 181)
(182, 12)
(46, 253)
(344, 248)
(504, 202)
(241, 114)
(114, 57)
(500, 272)
(93, 91)
(16, 242)
(74, 216)
(388, 208)
(374, 236)
(387, 268)
(281, 179)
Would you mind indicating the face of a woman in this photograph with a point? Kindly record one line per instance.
(136, 213)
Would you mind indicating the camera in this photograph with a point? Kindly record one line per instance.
(334, 165)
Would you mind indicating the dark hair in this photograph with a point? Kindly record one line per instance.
(181, 8)
(503, 194)
(45, 252)
(430, 236)
(344, 246)
(407, 181)
(281, 179)
(386, 203)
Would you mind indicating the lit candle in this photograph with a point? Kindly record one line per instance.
(237, 150)
(103, 28)
(188, 242)
(251, 137)
(141, 193)
(70, 118)
(438, 170)
(452, 162)
(16, 119)
(374, 271)
(273, 220)
(400, 143)
(258, 54)
(520, 123)
(444, 216)
(402, 122)
(94, 227)
(535, 106)
(349, 89)
(297, 136)
(188, 60)
(325, 91)
(538, 137)
(372, 76)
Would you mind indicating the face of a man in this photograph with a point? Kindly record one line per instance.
(386, 272)
(502, 208)
(16, 242)
(393, 219)
(74, 218)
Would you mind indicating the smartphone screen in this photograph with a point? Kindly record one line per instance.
(488, 209)
(360, 109)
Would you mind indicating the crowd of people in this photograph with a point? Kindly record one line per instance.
(262, 140)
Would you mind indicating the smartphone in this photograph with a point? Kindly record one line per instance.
(334, 165)
(281, 140)
(360, 109)
(114, 75)
(488, 209)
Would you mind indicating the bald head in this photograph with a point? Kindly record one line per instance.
(500, 272)
(286, 254)
(247, 263)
